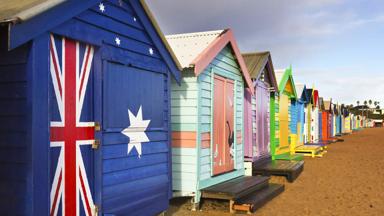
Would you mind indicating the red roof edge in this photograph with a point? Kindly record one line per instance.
(316, 96)
(209, 53)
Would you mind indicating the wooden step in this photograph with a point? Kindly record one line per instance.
(235, 188)
(257, 199)
(290, 169)
(310, 150)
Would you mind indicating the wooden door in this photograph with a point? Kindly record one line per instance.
(309, 123)
(324, 121)
(284, 124)
(223, 125)
(72, 131)
(262, 119)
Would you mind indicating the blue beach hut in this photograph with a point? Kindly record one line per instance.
(85, 97)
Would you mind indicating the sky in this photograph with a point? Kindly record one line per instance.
(335, 45)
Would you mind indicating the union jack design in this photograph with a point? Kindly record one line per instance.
(70, 186)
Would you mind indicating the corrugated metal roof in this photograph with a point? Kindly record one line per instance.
(256, 62)
(188, 46)
(11, 10)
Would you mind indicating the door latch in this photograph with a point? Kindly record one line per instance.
(97, 126)
(95, 144)
(96, 209)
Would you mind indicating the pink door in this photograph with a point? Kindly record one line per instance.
(223, 133)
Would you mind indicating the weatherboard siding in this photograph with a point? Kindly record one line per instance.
(277, 122)
(184, 162)
(184, 103)
(294, 117)
(15, 151)
(184, 98)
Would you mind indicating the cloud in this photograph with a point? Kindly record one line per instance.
(343, 85)
(361, 22)
(304, 33)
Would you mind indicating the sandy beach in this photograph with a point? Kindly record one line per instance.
(348, 180)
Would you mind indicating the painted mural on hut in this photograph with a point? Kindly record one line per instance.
(93, 94)
(207, 111)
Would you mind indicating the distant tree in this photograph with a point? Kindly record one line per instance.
(370, 102)
(358, 103)
(365, 103)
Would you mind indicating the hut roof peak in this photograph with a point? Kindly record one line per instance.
(258, 61)
(188, 46)
(197, 50)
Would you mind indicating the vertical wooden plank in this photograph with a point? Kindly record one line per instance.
(218, 149)
(98, 101)
(234, 123)
(169, 126)
(212, 117)
(230, 119)
(198, 149)
(38, 74)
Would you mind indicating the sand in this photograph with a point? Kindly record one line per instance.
(348, 180)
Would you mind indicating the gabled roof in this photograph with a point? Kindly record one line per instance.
(321, 104)
(197, 50)
(190, 45)
(282, 77)
(315, 97)
(309, 95)
(256, 62)
(29, 18)
(301, 90)
(327, 105)
(335, 109)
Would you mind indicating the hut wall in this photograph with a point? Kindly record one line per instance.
(15, 149)
(184, 103)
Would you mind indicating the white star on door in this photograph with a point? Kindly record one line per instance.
(117, 41)
(102, 7)
(136, 131)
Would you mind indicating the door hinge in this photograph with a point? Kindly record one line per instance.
(96, 144)
(97, 126)
(96, 209)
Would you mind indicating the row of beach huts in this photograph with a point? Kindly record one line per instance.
(101, 114)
